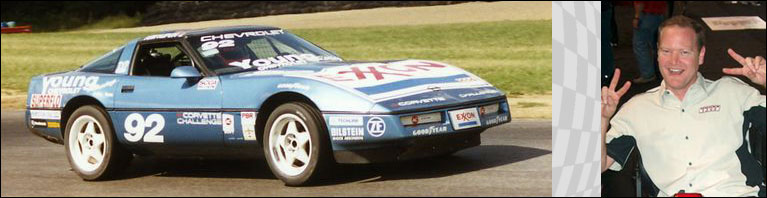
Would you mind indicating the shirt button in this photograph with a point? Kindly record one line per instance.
(682, 110)
(689, 163)
(686, 138)
(690, 185)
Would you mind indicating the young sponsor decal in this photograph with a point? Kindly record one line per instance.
(347, 133)
(464, 118)
(68, 84)
(45, 101)
(207, 84)
(240, 35)
(430, 131)
(376, 127)
(292, 86)
(280, 61)
(345, 120)
(497, 120)
(478, 93)
(228, 123)
(248, 121)
(421, 101)
(45, 114)
(198, 118)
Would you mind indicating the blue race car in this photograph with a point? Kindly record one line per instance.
(252, 91)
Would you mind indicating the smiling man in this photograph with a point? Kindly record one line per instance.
(689, 128)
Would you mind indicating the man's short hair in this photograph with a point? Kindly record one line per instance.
(686, 22)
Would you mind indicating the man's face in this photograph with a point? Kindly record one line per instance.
(678, 57)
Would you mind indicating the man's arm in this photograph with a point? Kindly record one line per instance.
(610, 99)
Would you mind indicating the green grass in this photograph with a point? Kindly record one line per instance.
(111, 22)
(515, 56)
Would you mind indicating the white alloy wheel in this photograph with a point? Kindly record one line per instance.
(88, 143)
(290, 144)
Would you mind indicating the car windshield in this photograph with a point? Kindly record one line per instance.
(257, 50)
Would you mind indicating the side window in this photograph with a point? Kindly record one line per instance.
(159, 59)
(104, 64)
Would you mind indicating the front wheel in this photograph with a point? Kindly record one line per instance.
(90, 145)
(295, 144)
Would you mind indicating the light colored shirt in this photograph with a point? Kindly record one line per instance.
(687, 145)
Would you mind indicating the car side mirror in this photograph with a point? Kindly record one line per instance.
(185, 72)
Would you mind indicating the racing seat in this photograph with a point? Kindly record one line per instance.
(154, 64)
(754, 133)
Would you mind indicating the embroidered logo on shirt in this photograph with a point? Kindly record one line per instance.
(710, 108)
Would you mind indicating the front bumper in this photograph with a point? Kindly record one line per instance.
(361, 139)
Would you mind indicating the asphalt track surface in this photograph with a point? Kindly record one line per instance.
(513, 160)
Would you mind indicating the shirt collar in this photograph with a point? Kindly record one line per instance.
(698, 91)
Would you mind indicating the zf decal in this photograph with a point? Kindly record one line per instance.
(376, 127)
(135, 126)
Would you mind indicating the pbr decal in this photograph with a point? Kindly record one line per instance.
(347, 133)
(710, 108)
(198, 118)
(376, 127)
(248, 121)
(207, 84)
(68, 84)
(497, 120)
(45, 101)
(240, 35)
(345, 121)
(464, 118)
(228, 123)
(430, 131)
(45, 114)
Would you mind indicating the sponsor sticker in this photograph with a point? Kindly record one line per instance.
(347, 133)
(421, 101)
(248, 121)
(54, 125)
(68, 84)
(280, 61)
(198, 118)
(430, 131)
(45, 114)
(240, 35)
(710, 108)
(207, 84)
(478, 93)
(345, 121)
(37, 123)
(292, 86)
(45, 101)
(228, 123)
(164, 36)
(497, 120)
(464, 118)
(376, 126)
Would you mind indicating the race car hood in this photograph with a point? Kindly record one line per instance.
(398, 85)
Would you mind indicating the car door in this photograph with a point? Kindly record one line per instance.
(162, 114)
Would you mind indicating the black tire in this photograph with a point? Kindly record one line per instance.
(318, 147)
(115, 158)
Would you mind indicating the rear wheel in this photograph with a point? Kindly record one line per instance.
(296, 144)
(90, 145)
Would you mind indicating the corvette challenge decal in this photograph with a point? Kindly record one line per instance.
(198, 118)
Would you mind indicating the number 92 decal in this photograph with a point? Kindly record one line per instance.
(135, 126)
